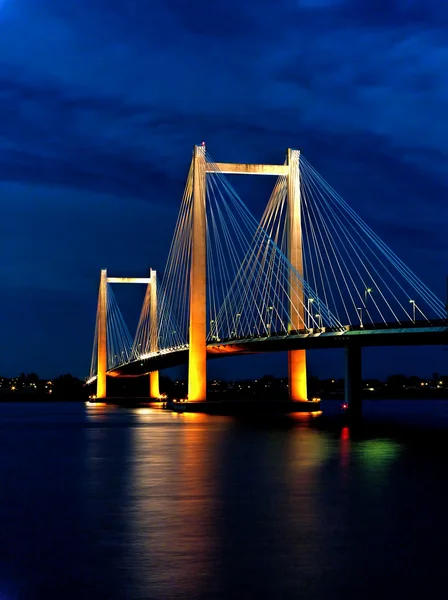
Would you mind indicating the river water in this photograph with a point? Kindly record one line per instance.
(116, 503)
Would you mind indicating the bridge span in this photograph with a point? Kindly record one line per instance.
(353, 339)
(416, 335)
(235, 285)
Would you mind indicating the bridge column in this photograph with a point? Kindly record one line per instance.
(353, 380)
(296, 358)
(154, 390)
(102, 337)
(197, 366)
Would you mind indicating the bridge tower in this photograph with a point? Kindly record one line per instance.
(296, 358)
(102, 337)
(197, 362)
(154, 390)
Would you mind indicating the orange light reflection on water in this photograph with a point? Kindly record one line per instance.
(192, 416)
(142, 411)
(95, 411)
(305, 416)
(171, 523)
(306, 453)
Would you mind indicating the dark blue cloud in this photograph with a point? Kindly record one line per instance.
(102, 100)
(394, 13)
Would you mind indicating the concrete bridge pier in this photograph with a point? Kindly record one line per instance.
(154, 390)
(296, 358)
(353, 380)
(102, 337)
(197, 359)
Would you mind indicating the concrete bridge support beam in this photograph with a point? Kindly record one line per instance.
(154, 389)
(296, 358)
(102, 337)
(353, 380)
(197, 363)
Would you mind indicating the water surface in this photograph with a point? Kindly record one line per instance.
(115, 503)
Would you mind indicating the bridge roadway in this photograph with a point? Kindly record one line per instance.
(421, 333)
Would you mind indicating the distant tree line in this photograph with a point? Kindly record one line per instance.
(30, 387)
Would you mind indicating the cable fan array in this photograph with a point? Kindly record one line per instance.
(248, 276)
(174, 295)
(359, 278)
(350, 276)
(119, 340)
(261, 292)
(150, 337)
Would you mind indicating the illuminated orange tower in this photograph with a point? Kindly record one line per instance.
(296, 358)
(197, 363)
(102, 337)
(154, 390)
(197, 366)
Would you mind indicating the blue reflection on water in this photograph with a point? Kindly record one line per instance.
(109, 502)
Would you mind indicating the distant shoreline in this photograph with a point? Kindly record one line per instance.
(11, 398)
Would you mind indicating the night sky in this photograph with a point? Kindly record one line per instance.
(101, 102)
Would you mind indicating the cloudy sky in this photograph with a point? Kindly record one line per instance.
(102, 100)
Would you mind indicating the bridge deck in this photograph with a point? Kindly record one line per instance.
(419, 334)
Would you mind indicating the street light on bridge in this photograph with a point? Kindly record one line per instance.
(238, 315)
(360, 317)
(413, 310)
(269, 319)
(308, 317)
(367, 291)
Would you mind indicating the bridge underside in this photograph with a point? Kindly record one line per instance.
(317, 340)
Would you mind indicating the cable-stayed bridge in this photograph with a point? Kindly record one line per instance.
(310, 274)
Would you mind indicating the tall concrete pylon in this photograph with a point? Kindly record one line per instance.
(154, 389)
(102, 337)
(296, 358)
(197, 366)
(197, 361)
